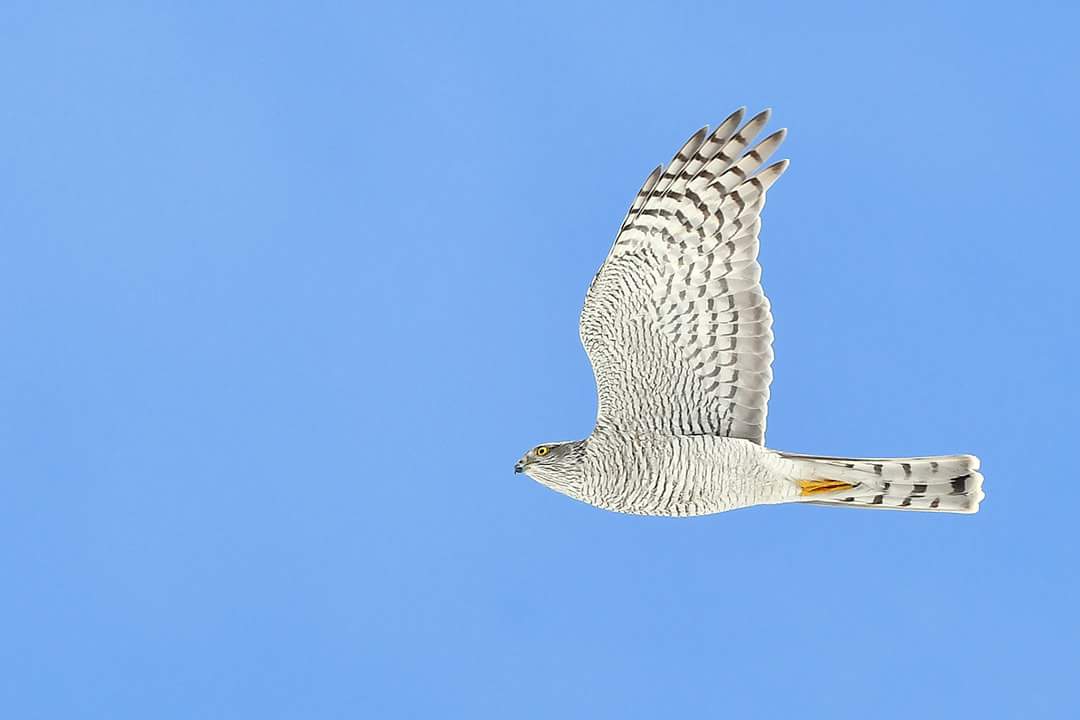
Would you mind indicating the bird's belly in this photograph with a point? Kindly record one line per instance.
(684, 476)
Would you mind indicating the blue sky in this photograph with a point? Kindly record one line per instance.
(288, 287)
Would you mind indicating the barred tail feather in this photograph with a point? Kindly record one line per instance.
(948, 483)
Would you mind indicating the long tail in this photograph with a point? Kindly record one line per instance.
(949, 483)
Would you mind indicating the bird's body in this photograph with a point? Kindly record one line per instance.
(650, 473)
(679, 333)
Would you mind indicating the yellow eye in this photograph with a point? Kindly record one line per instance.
(542, 451)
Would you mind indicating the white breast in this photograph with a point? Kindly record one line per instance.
(652, 474)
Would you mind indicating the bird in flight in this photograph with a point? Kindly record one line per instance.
(679, 334)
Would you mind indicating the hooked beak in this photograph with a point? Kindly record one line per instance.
(519, 467)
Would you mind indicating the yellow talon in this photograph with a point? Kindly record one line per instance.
(816, 487)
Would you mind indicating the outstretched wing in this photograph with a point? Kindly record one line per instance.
(675, 323)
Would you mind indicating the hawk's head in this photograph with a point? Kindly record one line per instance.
(557, 465)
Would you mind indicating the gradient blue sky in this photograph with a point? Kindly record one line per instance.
(288, 287)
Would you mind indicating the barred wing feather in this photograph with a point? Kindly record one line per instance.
(676, 325)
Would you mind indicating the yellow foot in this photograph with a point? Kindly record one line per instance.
(816, 487)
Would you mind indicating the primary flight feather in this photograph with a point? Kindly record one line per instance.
(679, 333)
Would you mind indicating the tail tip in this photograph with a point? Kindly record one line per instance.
(974, 490)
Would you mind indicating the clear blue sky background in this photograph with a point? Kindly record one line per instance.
(286, 289)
